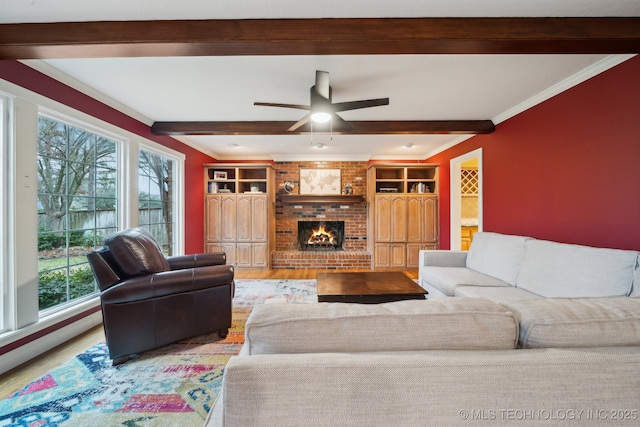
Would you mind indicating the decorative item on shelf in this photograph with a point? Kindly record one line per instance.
(423, 188)
(213, 187)
(255, 187)
(225, 189)
(414, 188)
(348, 188)
(219, 175)
(288, 187)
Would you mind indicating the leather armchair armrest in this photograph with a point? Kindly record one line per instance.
(181, 262)
(102, 271)
(168, 283)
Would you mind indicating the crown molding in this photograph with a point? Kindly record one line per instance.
(574, 80)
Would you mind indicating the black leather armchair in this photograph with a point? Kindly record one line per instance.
(149, 301)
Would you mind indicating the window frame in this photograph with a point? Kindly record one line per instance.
(5, 298)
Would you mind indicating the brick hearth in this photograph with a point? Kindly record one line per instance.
(321, 259)
(355, 254)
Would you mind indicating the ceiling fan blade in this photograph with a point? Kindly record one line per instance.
(300, 122)
(322, 84)
(339, 124)
(355, 105)
(271, 104)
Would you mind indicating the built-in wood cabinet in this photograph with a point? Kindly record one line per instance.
(222, 214)
(404, 214)
(422, 226)
(390, 255)
(388, 208)
(239, 221)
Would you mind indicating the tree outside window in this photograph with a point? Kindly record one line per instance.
(77, 207)
(155, 199)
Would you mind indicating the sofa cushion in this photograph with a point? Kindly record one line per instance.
(447, 279)
(136, 252)
(449, 323)
(553, 269)
(497, 255)
(579, 322)
(494, 293)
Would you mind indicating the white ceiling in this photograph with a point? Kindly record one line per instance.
(420, 87)
(116, 10)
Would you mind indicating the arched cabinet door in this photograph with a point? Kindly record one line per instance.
(429, 219)
(228, 218)
(260, 220)
(382, 219)
(213, 228)
(245, 217)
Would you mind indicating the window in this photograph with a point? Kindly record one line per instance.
(156, 206)
(3, 199)
(77, 207)
(68, 180)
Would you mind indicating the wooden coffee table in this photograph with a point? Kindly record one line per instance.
(367, 287)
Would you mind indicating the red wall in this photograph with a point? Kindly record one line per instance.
(566, 170)
(21, 75)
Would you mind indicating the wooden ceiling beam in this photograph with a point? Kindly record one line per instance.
(403, 127)
(338, 36)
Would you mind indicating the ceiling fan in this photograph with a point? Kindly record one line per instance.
(322, 109)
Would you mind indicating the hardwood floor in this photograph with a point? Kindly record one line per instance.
(14, 380)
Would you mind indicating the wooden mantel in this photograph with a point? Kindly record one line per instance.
(321, 198)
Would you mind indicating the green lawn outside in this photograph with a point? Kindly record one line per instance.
(51, 263)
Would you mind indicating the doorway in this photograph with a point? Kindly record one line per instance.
(466, 198)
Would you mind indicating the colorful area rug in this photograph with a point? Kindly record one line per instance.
(174, 385)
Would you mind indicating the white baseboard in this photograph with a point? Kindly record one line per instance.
(35, 348)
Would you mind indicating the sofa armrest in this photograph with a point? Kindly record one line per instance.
(168, 283)
(180, 262)
(443, 258)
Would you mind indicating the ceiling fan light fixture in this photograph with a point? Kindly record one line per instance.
(408, 145)
(233, 145)
(318, 146)
(320, 117)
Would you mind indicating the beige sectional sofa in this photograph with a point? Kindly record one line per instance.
(546, 335)
(506, 267)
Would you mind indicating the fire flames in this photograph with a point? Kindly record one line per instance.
(321, 237)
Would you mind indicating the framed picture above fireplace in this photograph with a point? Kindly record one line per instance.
(320, 181)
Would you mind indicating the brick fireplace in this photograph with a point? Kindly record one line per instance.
(354, 214)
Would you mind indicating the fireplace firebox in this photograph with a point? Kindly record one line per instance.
(320, 235)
